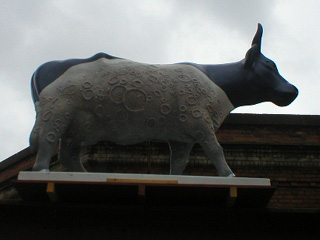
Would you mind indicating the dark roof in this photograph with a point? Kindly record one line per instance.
(272, 119)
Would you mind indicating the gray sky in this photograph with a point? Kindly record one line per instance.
(152, 31)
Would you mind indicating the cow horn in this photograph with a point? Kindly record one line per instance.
(257, 38)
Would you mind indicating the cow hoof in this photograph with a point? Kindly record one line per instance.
(231, 175)
(42, 170)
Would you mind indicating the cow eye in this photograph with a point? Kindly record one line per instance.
(271, 66)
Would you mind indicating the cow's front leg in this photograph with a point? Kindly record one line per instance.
(179, 156)
(69, 156)
(214, 152)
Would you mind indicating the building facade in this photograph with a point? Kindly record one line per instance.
(284, 148)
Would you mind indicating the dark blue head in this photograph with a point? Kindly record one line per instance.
(264, 81)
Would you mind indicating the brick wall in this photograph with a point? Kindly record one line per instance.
(293, 170)
(287, 153)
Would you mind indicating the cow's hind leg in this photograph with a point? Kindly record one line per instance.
(214, 152)
(34, 136)
(70, 156)
(51, 125)
(48, 140)
(179, 156)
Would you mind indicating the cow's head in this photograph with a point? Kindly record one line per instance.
(264, 81)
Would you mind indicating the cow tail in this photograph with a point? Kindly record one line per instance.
(34, 136)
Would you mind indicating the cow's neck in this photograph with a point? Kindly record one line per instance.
(231, 77)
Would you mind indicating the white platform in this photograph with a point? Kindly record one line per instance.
(142, 178)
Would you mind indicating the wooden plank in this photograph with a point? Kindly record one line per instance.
(143, 178)
(146, 181)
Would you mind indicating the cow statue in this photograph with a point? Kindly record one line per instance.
(104, 98)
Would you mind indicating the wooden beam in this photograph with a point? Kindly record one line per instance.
(51, 192)
(232, 197)
(142, 190)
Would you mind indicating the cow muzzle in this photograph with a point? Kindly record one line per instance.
(284, 97)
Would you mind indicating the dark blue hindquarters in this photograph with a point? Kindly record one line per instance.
(50, 71)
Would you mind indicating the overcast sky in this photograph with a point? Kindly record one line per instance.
(152, 31)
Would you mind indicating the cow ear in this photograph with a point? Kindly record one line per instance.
(251, 56)
(257, 38)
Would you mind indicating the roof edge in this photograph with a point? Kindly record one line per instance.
(15, 158)
(272, 119)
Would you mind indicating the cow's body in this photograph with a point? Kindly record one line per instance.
(106, 98)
